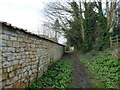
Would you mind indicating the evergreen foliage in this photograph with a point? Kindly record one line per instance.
(104, 69)
(57, 76)
(96, 32)
(88, 25)
(74, 27)
(103, 38)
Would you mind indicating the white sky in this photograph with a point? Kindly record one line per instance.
(25, 14)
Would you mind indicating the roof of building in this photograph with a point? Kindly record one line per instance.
(25, 30)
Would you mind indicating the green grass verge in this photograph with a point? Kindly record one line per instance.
(104, 69)
(58, 75)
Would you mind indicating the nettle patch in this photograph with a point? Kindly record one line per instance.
(57, 76)
(105, 70)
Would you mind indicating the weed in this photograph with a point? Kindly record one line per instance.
(57, 76)
(105, 70)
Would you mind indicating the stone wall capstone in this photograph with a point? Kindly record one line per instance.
(23, 55)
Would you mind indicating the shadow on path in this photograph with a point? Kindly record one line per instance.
(80, 76)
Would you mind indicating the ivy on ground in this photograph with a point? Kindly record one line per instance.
(57, 76)
(105, 70)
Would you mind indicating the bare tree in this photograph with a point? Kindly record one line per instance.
(110, 12)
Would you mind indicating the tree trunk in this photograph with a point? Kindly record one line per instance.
(112, 15)
(81, 22)
(107, 13)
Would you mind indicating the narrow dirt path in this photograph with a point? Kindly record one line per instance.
(80, 76)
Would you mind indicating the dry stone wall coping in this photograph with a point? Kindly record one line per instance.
(24, 30)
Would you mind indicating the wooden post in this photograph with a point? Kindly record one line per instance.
(117, 38)
(110, 41)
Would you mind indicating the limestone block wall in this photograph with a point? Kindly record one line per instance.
(0, 55)
(23, 55)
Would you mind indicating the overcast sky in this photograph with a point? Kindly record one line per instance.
(25, 14)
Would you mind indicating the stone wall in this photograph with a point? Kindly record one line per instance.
(0, 55)
(23, 55)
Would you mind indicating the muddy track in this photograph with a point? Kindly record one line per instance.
(80, 76)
